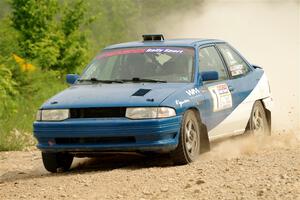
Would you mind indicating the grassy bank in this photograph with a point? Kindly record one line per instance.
(16, 122)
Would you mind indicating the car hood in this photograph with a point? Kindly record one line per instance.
(113, 95)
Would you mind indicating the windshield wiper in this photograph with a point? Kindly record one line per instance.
(135, 79)
(139, 80)
(95, 80)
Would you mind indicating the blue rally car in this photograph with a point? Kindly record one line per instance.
(169, 96)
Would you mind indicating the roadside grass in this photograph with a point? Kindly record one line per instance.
(16, 124)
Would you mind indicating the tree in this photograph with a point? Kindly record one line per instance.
(51, 33)
(114, 21)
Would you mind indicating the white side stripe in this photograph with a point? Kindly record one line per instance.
(237, 121)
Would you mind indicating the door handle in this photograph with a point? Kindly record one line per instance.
(231, 89)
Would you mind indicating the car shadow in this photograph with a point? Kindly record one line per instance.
(111, 161)
(103, 162)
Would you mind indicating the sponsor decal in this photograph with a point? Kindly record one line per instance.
(236, 70)
(221, 96)
(162, 50)
(141, 50)
(180, 103)
(193, 92)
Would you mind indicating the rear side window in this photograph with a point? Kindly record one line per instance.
(236, 65)
(210, 60)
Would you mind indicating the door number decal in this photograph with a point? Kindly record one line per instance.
(221, 97)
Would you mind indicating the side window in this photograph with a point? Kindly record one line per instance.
(210, 60)
(236, 65)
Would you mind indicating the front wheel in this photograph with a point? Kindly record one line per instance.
(54, 161)
(258, 123)
(188, 148)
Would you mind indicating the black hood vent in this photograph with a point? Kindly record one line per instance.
(141, 92)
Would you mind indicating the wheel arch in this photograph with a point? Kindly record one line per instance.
(267, 111)
(204, 139)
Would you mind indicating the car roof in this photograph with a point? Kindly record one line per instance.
(169, 42)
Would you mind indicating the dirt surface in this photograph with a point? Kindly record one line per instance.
(240, 168)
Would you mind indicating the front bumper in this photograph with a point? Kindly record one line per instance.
(108, 134)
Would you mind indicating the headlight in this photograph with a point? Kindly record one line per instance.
(52, 115)
(150, 112)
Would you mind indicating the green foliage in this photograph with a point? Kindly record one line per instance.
(73, 17)
(8, 85)
(8, 40)
(113, 21)
(51, 33)
(4, 8)
(33, 18)
(16, 122)
(53, 36)
(75, 46)
(7, 90)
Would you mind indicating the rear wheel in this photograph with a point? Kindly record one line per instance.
(258, 123)
(57, 161)
(188, 148)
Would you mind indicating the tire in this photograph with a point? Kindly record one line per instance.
(54, 161)
(188, 148)
(258, 122)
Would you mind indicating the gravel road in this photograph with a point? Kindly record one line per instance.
(240, 168)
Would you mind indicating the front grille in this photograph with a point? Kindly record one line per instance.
(97, 112)
(101, 140)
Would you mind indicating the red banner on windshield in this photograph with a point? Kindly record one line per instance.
(120, 52)
(145, 50)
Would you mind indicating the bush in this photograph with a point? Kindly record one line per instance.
(51, 33)
(16, 123)
(7, 90)
(39, 43)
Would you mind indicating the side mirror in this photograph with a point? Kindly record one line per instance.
(209, 75)
(72, 78)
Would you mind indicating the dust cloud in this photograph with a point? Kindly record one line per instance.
(250, 145)
(267, 33)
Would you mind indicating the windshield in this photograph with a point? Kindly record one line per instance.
(161, 64)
